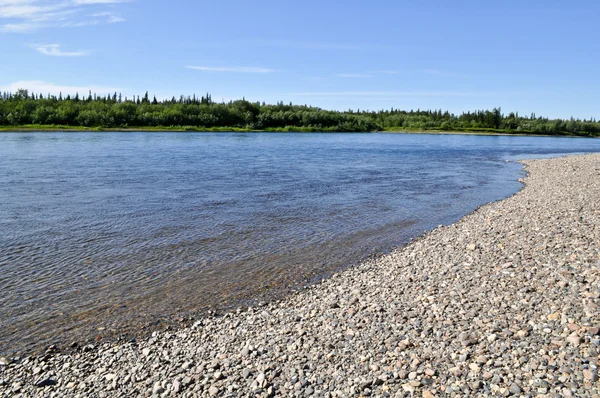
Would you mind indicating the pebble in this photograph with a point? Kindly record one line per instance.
(590, 374)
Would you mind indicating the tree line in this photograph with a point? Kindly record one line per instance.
(117, 112)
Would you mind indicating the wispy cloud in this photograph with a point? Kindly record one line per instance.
(444, 73)
(42, 87)
(22, 16)
(314, 78)
(289, 44)
(390, 94)
(437, 72)
(110, 17)
(235, 69)
(367, 75)
(386, 72)
(355, 75)
(306, 45)
(99, 1)
(55, 51)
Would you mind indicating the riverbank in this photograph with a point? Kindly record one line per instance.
(288, 129)
(504, 302)
(175, 129)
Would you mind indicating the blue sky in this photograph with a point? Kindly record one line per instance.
(534, 56)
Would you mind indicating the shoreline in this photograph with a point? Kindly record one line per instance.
(464, 309)
(192, 129)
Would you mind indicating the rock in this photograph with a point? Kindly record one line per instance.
(408, 388)
(515, 389)
(5, 361)
(554, 317)
(213, 391)
(574, 339)
(471, 247)
(522, 333)
(590, 374)
(186, 381)
(428, 394)
(474, 367)
(157, 388)
(593, 330)
(45, 382)
(176, 386)
(260, 380)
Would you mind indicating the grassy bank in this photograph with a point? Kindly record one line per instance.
(66, 128)
(299, 129)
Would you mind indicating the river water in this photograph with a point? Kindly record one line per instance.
(110, 234)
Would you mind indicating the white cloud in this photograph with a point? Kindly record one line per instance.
(99, 1)
(437, 72)
(355, 75)
(367, 75)
(54, 50)
(115, 19)
(42, 87)
(384, 94)
(304, 45)
(387, 72)
(20, 27)
(13, 2)
(22, 16)
(236, 69)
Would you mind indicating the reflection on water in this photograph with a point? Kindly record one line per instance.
(103, 233)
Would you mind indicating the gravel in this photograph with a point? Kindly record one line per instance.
(503, 303)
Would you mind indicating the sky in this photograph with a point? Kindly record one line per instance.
(523, 56)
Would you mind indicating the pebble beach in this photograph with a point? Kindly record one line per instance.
(505, 302)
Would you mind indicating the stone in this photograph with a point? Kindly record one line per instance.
(574, 339)
(554, 317)
(515, 389)
(260, 380)
(408, 388)
(590, 374)
(593, 330)
(157, 388)
(428, 394)
(45, 382)
(474, 367)
(176, 386)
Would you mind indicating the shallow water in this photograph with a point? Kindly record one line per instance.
(103, 234)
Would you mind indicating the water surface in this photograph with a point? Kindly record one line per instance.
(104, 234)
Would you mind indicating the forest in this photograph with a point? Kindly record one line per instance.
(24, 110)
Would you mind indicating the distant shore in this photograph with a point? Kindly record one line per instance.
(289, 129)
(503, 302)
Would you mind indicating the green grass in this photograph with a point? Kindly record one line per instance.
(478, 131)
(53, 127)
